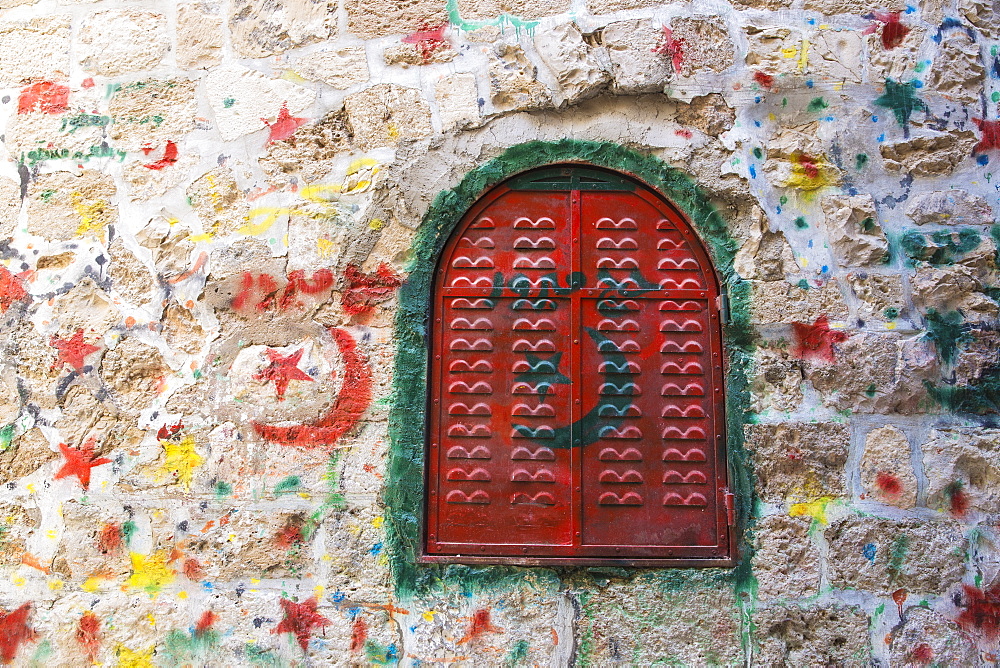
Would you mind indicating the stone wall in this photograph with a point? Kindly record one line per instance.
(208, 211)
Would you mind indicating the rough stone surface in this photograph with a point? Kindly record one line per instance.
(963, 470)
(522, 9)
(930, 155)
(854, 231)
(798, 461)
(244, 99)
(785, 560)
(261, 28)
(926, 635)
(66, 205)
(513, 86)
(780, 301)
(881, 555)
(636, 64)
(706, 45)
(880, 297)
(576, 67)
(385, 115)
(135, 127)
(341, 68)
(949, 207)
(886, 472)
(958, 71)
(954, 288)
(393, 17)
(812, 636)
(115, 42)
(199, 36)
(457, 100)
(35, 48)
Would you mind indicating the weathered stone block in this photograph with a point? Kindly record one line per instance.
(199, 36)
(785, 561)
(710, 114)
(955, 288)
(311, 152)
(387, 114)
(458, 101)
(576, 67)
(148, 114)
(776, 383)
(812, 636)
(393, 17)
(782, 302)
(608, 6)
(341, 67)
(35, 48)
(926, 637)
(949, 207)
(776, 50)
(513, 82)
(896, 63)
(636, 66)
(886, 472)
(962, 466)
(958, 71)
(880, 296)
(18, 522)
(704, 43)
(854, 231)
(798, 461)
(262, 28)
(930, 155)
(832, 7)
(243, 99)
(62, 205)
(522, 9)
(836, 55)
(219, 202)
(881, 555)
(114, 42)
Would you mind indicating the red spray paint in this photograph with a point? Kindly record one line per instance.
(14, 631)
(359, 633)
(169, 157)
(364, 291)
(888, 484)
(428, 40)
(88, 634)
(109, 540)
(981, 614)
(11, 289)
(281, 370)
(79, 461)
(44, 96)
(73, 350)
(479, 625)
(991, 135)
(285, 126)
(352, 401)
(204, 624)
(893, 31)
(816, 341)
(674, 48)
(300, 620)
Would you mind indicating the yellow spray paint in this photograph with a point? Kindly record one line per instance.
(128, 658)
(150, 573)
(181, 459)
(815, 509)
(92, 215)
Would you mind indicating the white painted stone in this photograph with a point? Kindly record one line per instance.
(253, 97)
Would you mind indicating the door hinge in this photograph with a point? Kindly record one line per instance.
(729, 499)
(722, 302)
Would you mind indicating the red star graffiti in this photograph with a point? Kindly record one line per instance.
(281, 370)
(79, 461)
(816, 341)
(11, 289)
(300, 620)
(73, 350)
(285, 126)
(14, 630)
(991, 135)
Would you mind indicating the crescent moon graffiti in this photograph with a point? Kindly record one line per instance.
(352, 401)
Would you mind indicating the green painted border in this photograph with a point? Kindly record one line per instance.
(405, 481)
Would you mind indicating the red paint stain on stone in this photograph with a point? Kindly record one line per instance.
(260, 292)
(888, 483)
(290, 534)
(79, 461)
(281, 370)
(764, 79)
(479, 625)
(899, 597)
(14, 631)
(169, 157)
(193, 570)
(208, 618)
(352, 401)
(359, 633)
(88, 634)
(922, 654)
(365, 291)
(981, 614)
(44, 96)
(674, 48)
(169, 430)
(991, 135)
(300, 620)
(816, 341)
(73, 350)
(958, 499)
(109, 539)
(684, 132)
(285, 125)
(428, 41)
(320, 281)
(11, 289)
(893, 30)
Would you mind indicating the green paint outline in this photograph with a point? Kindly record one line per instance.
(455, 19)
(404, 489)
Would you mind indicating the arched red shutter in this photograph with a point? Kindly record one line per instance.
(576, 409)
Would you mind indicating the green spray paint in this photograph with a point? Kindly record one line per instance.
(222, 489)
(405, 474)
(946, 332)
(517, 655)
(258, 656)
(902, 100)
(801, 223)
(897, 555)
(6, 436)
(817, 104)
(502, 21)
(979, 397)
(287, 485)
(942, 247)
(128, 531)
(860, 161)
(187, 647)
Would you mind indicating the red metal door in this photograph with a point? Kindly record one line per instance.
(576, 380)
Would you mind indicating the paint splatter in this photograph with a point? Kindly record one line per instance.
(359, 633)
(893, 31)
(169, 157)
(897, 555)
(285, 125)
(922, 654)
(88, 634)
(428, 41)
(365, 291)
(14, 631)
(44, 96)
(184, 648)
(180, 459)
(673, 48)
(899, 597)
(902, 100)
(947, 332)
(810, 172)
(815, 341)
(990, 141)
(260, 292)
(817, 104)
(478, 625)
(815, 509)
(169, 431)
(11, 290)
(282, 370)
(764, 79)
(193, 570)
(300, 620)
(79, 461)
(150, 573)
(869, 551)
(291, 534)
(128, 658)
(517, 655)
(958, 499)
(981, 614)
(888, 484)
(109, 539)
(352, 401)
(72, 351)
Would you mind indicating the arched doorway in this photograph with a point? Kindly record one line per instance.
(576, 409)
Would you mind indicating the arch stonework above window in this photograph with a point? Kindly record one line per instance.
(576, 380)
